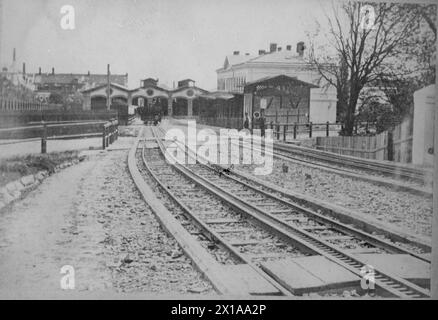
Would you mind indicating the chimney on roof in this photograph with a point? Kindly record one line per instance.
(14, 55)
(288, 47)
(236, 53)
(39, 70)
(300, 48)
(272, 47)
(24, 68)
(53, 71)
(261, 52)
(88, 73)
(279, 49)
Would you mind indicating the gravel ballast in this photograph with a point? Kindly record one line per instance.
(91, 216)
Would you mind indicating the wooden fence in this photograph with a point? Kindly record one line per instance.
(23, 117)
(231, 123)
(54, 131)
(21, 105)
(393, 145)
(288, 116)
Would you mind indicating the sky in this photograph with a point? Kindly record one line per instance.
(167, 39)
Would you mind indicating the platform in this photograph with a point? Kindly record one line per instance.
(247, 278)
(310, 274)
(402, 265)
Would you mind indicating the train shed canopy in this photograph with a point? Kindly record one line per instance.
(276, 85)
(218, 95)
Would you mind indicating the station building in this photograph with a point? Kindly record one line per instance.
(280, 84)
(184, 101)
(306, 98)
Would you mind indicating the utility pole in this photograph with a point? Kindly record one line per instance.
(1, 30)
(108, 88)
(434, 269)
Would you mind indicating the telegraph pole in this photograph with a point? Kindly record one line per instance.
(434, 269)
(1, 30)
(108, 88)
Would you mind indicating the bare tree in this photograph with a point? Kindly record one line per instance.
(364, 37)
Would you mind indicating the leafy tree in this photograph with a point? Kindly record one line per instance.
(56, 98)
(365, 39)
(74, 101)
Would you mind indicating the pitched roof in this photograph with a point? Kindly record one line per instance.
(187, 87)
(217, 95)
(278, 57)
(276, 80)
(115, 85)
(66, 78)
(233, 60)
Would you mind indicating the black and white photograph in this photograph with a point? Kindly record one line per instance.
(240, 151)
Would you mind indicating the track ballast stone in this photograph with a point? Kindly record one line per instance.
(140, 255)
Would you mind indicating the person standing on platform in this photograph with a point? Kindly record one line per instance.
(246, 122)
(262, 125)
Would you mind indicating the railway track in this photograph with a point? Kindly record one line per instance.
(223, 232)
(298, 227)
(340, 162)
(358, 173)
(398, 177)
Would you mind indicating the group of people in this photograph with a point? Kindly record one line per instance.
(261, 122)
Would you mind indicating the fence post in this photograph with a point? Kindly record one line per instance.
(284, 132)
(390, 146)
(108, 135)
(310, 129)
(327, 129)
(278, 132)
(111, 136)
(44, 139)
(103, 137)
(355, 128)
(295, 131)
(117, 130)
(272, 125)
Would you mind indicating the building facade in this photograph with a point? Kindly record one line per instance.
(239, 70)
(70, 83)
(181, 101)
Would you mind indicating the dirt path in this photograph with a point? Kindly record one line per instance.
(90, 216)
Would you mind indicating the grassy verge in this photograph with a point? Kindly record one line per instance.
(16, 167)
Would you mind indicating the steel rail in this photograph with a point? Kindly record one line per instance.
(386, 169)
(336, 225)
(397, 184)
(377, 179)
(391, 283)
(343, 227)
(218, 239)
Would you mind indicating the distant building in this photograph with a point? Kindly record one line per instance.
(16, 84)
(181, 101)
(68, 83)
(239, 70)
(18, 78)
